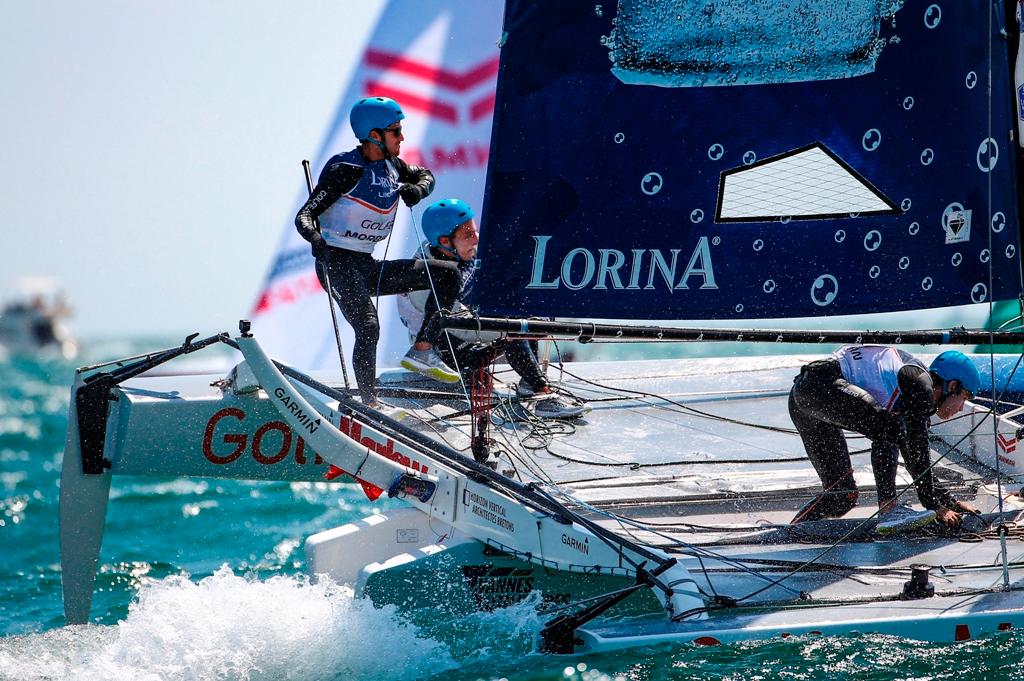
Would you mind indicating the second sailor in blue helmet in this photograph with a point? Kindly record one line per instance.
(450, 229)
(888, 396)
(351, 209)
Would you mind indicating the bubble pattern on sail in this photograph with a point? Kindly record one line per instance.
(839, 174)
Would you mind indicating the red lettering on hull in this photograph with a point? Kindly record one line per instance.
(354, 430)
(272, 443)
(262, 447)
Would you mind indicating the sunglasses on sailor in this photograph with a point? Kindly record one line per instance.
(396, 131)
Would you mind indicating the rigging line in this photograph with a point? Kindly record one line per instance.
(505, 406)
(756, 394)
(633, 465)
(812, 602)
(991, 289)
(422, 238)
(709, 416)
(900, 492)
(697, 550)
(540, 429)
(1018, 318)
(618, 544)
(551, 609)
(537, 471)
(861, 525)
(686, 411)
(755, 369)
(683, 406)
(429, 423)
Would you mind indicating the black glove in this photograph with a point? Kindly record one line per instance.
(411, 194)
(318, 246)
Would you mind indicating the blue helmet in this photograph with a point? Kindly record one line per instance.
(373, 113)
(443, 217)
(953, 365)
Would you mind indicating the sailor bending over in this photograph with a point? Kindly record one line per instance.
(452, 236)
(888, 396)
(352, 208)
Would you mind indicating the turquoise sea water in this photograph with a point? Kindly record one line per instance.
(202, 579)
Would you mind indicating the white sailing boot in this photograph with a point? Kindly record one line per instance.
(902, 518)
(549, 406)
(428, 363)
(396, 413)
(554, 408)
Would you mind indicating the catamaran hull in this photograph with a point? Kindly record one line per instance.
(405, 558)
(940, 619)
(481, 541)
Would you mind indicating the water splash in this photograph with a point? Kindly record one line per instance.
(229, 627)
(694, 43)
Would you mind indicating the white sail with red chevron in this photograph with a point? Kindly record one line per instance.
(440, 62)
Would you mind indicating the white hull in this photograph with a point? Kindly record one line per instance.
(699, 478)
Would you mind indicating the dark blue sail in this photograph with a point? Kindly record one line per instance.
(689, 159)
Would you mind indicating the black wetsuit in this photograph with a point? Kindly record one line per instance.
(355, 275)
(823, 403)
(472, 355)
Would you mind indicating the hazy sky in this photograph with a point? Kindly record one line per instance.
(151, 150)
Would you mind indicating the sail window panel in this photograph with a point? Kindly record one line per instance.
(804, 184)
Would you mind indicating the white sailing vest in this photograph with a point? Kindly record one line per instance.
(411, 308)
(874, 368)
(366, 214)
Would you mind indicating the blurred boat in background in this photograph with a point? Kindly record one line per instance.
(32, 320)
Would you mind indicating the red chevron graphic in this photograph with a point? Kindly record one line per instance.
(435, 107)
(460, 82)
(431, 107)
(481, 107)
(1006, 444)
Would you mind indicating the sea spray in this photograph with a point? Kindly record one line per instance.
(228, 626)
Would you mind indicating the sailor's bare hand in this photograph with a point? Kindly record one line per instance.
(948, 516)
(964, 507)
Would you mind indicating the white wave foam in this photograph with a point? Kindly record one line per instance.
(183, 487)
(229, 627)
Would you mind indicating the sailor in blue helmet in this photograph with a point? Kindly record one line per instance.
(888, 396)
(451, 232)
(352, 208)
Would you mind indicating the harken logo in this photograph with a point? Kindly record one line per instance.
(450, 103)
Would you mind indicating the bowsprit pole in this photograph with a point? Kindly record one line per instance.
(330, 296)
